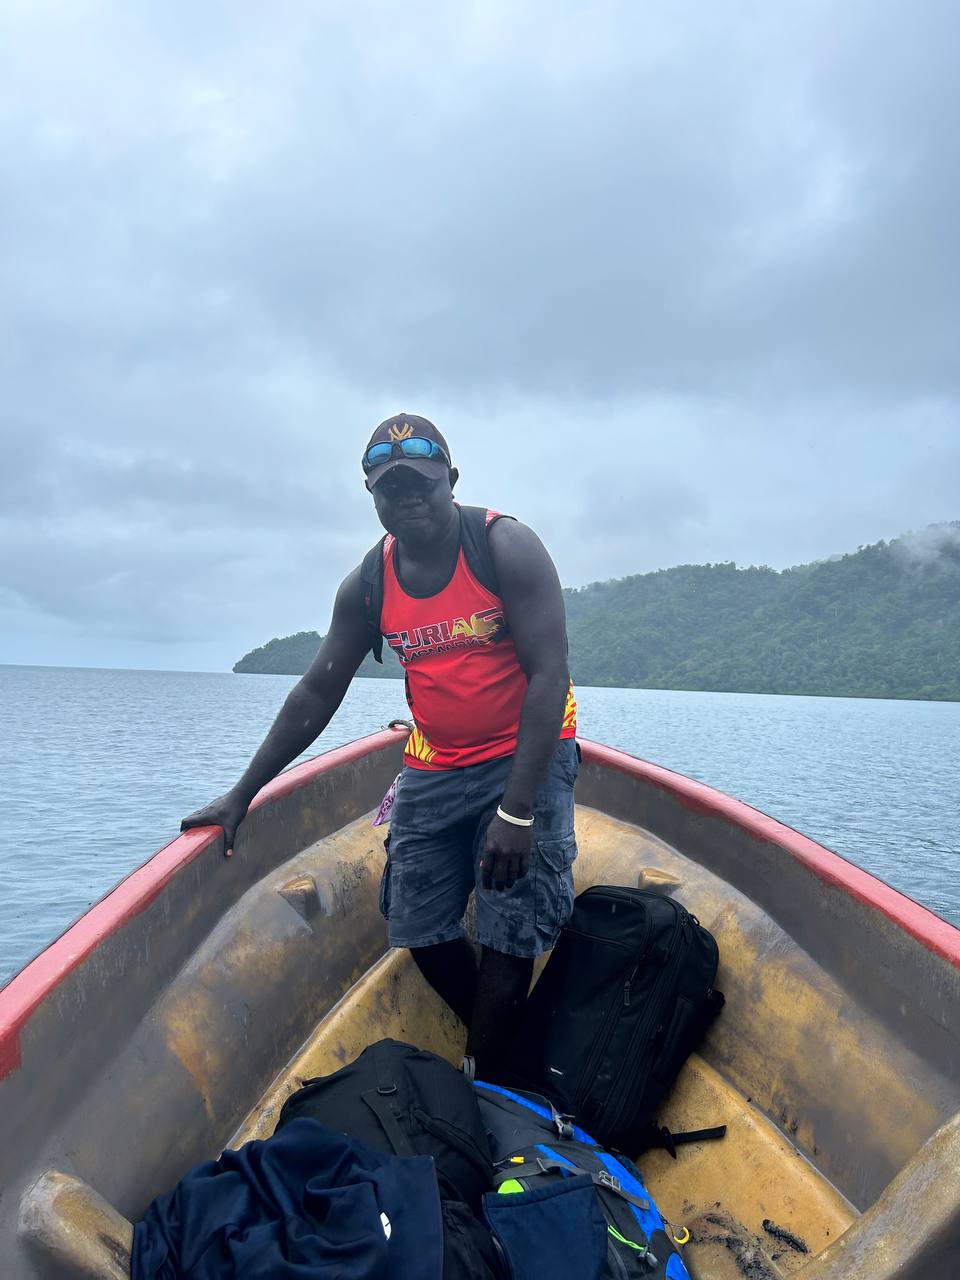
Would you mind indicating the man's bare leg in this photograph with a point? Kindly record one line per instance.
(451, 969)
(502, 986)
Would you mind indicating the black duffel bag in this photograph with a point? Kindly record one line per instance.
(625, 997)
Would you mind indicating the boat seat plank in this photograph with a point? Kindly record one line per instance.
(911, 1231)
(72, 1233)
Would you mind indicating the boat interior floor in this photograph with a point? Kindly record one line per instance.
(754, 1207)
(759, 1204)
(751, 1203)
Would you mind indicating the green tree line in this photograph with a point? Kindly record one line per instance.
(883, 621)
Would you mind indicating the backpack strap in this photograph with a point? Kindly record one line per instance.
(384, 1102)
(475, 525)
(371, 575)
(661, 1138)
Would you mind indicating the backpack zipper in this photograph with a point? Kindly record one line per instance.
(598, 937)
(606, 1027)
(629, 1084)
(617, 1264)
(620, 1000)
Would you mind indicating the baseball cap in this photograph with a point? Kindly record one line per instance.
(408, 426)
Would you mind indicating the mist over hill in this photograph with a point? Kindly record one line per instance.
(882, 621)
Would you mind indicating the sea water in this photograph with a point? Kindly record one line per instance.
(98, 767)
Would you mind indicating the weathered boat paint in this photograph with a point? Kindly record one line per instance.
(151, 1033)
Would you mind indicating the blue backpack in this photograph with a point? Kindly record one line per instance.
(563, 1206)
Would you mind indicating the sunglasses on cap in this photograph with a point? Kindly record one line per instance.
(413, 447)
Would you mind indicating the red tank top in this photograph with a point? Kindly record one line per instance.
(465, 686)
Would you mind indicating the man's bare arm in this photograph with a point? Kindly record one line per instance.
(304, 715)
(533, 602)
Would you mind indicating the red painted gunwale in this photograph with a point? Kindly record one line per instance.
(937, 935)
(31, 987)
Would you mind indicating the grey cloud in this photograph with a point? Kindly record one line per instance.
(634, 225)
(719, 210)
(146, 544)
(716, 247)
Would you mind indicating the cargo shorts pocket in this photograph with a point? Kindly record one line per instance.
(384, 899)
(554, 887)
(568, 758)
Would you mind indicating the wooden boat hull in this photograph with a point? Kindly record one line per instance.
(176, 1015)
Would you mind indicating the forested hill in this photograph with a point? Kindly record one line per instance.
(883, 621)
(291, 655)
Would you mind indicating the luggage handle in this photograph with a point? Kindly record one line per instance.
(448, 1132)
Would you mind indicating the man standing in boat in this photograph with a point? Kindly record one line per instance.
(471, 604)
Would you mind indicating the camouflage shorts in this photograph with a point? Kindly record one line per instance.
(437, 829)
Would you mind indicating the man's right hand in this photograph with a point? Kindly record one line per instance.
(228, 812)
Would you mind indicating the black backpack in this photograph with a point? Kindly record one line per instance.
(473, 539)
(409, 1102)
(607, 1225)
(624, 999)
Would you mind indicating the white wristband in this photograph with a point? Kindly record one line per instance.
(517, 822)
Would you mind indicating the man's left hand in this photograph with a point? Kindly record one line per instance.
(506, 854)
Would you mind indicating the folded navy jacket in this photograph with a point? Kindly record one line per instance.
(308, 1202)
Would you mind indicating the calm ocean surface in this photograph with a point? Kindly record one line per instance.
(99, 766)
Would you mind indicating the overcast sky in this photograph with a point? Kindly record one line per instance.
(679, 282)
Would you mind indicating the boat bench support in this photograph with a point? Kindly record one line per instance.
(72, 1233)
(913, 1230)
